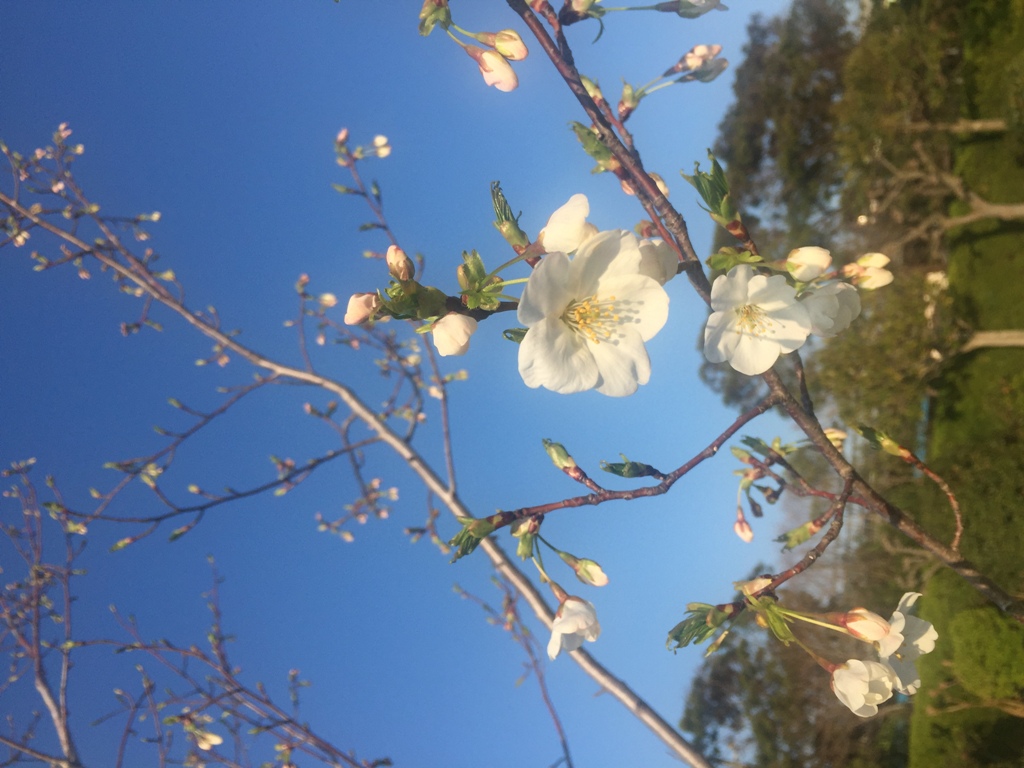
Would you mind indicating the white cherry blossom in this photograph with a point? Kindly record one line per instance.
(755, 319)
(863, 685)
(588, 318)
(575, 622)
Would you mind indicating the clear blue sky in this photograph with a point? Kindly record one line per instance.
(221, 116)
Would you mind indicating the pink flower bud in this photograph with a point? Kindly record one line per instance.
(742, 528)
(399, 265)
(865, 625)
(494, 67)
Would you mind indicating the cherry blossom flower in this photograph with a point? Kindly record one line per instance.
(452, 333)
(869, 272)
(567, 228)
(805, 264)
(918, 638)
(832, 307)
(588, 318)
(575, 622)
(755, 319)
(361, 307)
(863, 685)
(494, 67)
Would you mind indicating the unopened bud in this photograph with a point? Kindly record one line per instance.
(400, 266)
(559, 456)
(507, 42)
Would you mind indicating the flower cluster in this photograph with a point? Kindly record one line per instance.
(757, 317)
(499, 48)
(863, 685)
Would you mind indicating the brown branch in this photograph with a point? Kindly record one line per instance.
(669, 221)
(890, 512)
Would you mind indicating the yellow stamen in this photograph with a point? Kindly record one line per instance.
(597, 318)
(754, 320)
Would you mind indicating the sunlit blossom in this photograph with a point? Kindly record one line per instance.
(494, 67)
(575, 621)
(755, 319)
(452, 332)
(863, 685)
(588, 318)
(831, 307)
(919, 638)
(568, 227)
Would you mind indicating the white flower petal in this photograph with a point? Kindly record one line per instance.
(752, 355)
(552, 356)
(640, 302)
(575, 622)
(567, 228)
(622, 365)
(720, 336)
(731, 290)
(603, 256)
(791, 326)
(545, 294)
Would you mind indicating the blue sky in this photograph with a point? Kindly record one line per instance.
(222, 117)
